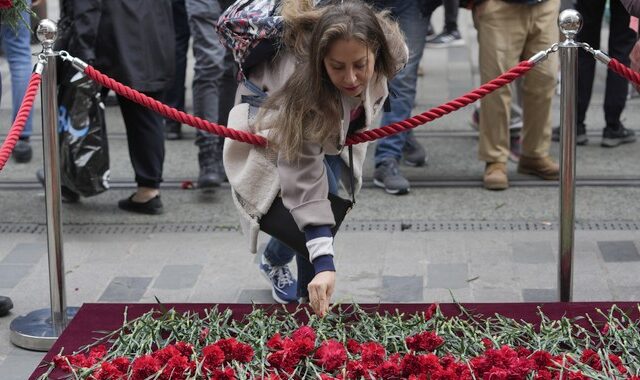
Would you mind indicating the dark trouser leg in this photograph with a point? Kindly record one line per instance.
(591, 11)
(451, 15)
(145, 140)
(621, 41)
(174, 96)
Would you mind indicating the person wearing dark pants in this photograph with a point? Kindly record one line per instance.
(175, 93)
(142, 130)
(108, 35)
(450, 35)
(194, 19)
(621, 41)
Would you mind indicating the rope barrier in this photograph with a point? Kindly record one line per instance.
(20, 120)
(624, 71)
(171, 112)
(370, 135)
(444, 109)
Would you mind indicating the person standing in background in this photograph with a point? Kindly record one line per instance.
(213, 81)
(16, 44)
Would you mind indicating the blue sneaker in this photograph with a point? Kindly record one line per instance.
(284, 287)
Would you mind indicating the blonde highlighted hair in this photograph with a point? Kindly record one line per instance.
(309, 106)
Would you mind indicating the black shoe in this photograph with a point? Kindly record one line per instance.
(5, 305)
(210, 162)
(151, 207)
(22, 152)
(68, 195)
(413, 153)
(614, 136)
(581, 136)
(172, 130)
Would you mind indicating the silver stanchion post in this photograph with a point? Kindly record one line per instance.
(39, 329)
(570, 23)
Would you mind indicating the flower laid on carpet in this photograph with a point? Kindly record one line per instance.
(11, 12)
(352, 343)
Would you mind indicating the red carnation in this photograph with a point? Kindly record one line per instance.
(425, 341)
(98, 352)
(204, 333)
(373, 354)
(331, 355)
(388, 370)
(163, 355)
(430, 311)
(243, 352)
(542, 359)
(108, 371)
(275, 343)
(591, 358)
(304, 332)
(228, 347)
(61, 362)
(212, 357)
(144, 367)
(186, 349)
(356, 370)
(6, 4)
(226, 374)
(121, 363)
(177, 368)
(618, 363)
(353, 346)
(487, 343)
(284, 360)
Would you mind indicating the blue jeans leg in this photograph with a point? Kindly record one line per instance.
(17, 46)
(279, 253)
(403, 86)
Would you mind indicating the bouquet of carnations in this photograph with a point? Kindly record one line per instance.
(351, 343)
(11, 12)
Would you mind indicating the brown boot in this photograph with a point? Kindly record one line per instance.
(495, 176)
(543, 167)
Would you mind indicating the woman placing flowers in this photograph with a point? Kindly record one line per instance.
(329, 80)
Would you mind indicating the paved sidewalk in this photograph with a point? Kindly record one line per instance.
(435, 245)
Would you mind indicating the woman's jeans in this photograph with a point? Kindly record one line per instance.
(17, 47)
(279, 254)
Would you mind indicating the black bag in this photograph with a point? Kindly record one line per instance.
(84, 149)
(279, 223)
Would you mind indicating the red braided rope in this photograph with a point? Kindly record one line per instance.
(173, 113)
(21, 118)
(624, 71)
(374, 134)
(444, 109)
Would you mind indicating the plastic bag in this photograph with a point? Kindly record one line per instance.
(84, 149)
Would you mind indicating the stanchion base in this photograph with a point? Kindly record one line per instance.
(34, 331)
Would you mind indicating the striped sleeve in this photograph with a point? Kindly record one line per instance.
(320, 246)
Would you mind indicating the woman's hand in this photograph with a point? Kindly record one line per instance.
(320, 291)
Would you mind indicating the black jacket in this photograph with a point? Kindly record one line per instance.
(130, 40)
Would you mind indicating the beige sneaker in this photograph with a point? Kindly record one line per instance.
(543, 167)
(495, 176)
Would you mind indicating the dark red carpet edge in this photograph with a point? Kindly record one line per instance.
(108, 317)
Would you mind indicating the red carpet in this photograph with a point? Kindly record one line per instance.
(108, 317)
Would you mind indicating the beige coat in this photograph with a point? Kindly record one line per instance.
(256, 175)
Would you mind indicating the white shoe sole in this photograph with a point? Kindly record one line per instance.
(274, 293)
(393, 192)
(455, 43)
